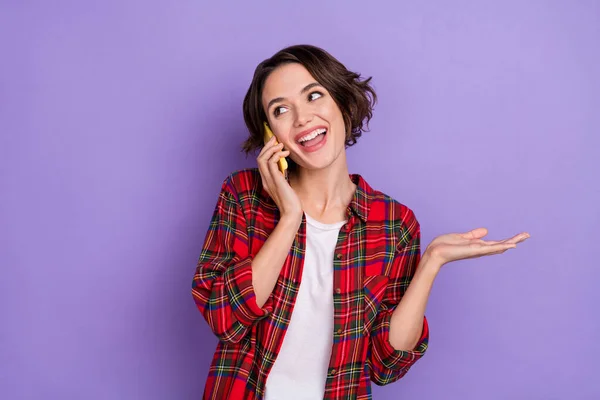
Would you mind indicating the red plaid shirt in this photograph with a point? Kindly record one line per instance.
(375, 259)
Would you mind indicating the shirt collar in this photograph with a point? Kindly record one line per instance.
(360, 203)
(363, 196)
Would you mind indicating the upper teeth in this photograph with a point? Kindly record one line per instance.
(312, 135)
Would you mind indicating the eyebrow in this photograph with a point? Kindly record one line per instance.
(306, 89)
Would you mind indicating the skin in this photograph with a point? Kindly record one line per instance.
(322, 188)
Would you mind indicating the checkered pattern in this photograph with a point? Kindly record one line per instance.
(375, 259)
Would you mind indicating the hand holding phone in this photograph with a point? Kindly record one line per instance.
(278, 189)
(282, 163)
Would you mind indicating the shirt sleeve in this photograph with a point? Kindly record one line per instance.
(388, 364)
(222, 285)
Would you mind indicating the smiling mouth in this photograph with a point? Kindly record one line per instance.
(313, 138)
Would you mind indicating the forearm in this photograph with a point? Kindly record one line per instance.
(269, 260)
(407, 319)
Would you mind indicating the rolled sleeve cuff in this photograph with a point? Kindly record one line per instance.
(394, 359)
(238, 281)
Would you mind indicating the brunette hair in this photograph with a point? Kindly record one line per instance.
(353, 95)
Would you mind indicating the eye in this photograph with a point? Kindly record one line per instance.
(279, 110)
(314, 96)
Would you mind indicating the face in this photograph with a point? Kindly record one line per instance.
(304, 117)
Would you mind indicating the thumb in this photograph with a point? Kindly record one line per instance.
(477, 233)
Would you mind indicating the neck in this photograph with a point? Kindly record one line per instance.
(325, 193)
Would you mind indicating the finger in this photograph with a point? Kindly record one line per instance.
(495, 253)
(264, 166)
(266, 173)
(522, 236)
(495, 248)
(276, 156)
(268, 146)
(517, 238)
(489, 242)
(477, 233)
(493, 242)
(266, 153)
(273, 166)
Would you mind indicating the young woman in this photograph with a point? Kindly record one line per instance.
(315, 284)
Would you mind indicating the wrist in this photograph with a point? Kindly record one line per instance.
(291, 219)
(430, 263)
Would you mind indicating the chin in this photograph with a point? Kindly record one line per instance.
(321, 162)
(323, 158)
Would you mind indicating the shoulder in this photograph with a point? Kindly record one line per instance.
(397, 215)
(242, 183)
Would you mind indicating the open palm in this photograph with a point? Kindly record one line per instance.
(459, 246)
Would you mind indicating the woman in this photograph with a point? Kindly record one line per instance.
(315, 285)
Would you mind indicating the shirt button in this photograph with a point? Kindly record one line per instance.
(338, 256)
(338, 290)
(332, 372)
(339, 331)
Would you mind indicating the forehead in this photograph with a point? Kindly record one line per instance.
(286, 81)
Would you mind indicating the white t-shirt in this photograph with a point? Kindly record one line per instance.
(300, 369)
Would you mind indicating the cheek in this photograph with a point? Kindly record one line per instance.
(282, 132)
(330, 112)
(337, 120)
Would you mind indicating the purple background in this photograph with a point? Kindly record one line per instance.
(120, 119)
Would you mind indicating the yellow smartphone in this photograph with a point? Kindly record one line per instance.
(282, 163)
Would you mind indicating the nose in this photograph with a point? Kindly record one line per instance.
(303, 117)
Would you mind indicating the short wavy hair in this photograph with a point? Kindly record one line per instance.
(354, 96)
